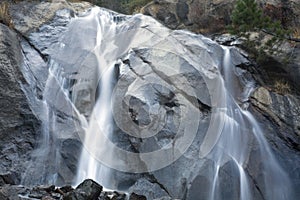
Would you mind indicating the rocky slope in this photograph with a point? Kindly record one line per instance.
(212, 16)
(87, 190)
(19, 126)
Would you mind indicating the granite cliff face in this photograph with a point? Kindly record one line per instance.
(49, 69)
(19, 126)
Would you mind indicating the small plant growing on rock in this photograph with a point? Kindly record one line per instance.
(282, 87)
(296, 33)
(4, 14)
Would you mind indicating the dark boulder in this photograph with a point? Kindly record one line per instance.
(87, 190)
(134, 196)
(10, 178)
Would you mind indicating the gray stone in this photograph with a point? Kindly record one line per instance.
(279, 118)
(164, 11)
(70, 150)
(40, 32)
(282, 109)
(147, 189)
(13, 193)
(199, 189)
(19, 126)
(29, 16)
(182, 10)
(134, 196)
(262, 95)
(10, 178)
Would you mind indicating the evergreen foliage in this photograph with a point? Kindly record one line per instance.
(248, 17)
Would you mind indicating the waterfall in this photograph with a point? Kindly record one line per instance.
(239, 131)
(232, 130)
(54, 105)
(150, 100)
(100, 127)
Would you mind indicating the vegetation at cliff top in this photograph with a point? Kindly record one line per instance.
(122, 6)
(247, 17)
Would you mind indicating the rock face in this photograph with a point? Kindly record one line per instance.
(211, 16)
(279, 117)
(19, 127)
(276, 72)
(283, 111)
(170, 75)
(287, 12)
(24, 75)
(49, 97)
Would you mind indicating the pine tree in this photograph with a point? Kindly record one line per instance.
(246, 16)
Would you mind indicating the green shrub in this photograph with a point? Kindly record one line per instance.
(247, 17)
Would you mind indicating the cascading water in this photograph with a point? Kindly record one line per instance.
(45, 163)
(173, 102)
(57, 114)
(240, 131)
(232, 130)
(89, 166)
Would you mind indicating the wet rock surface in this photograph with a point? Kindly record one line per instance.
(275, 104)
(279, 117)
(24, 73)
(19, 127)
(20, 123)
